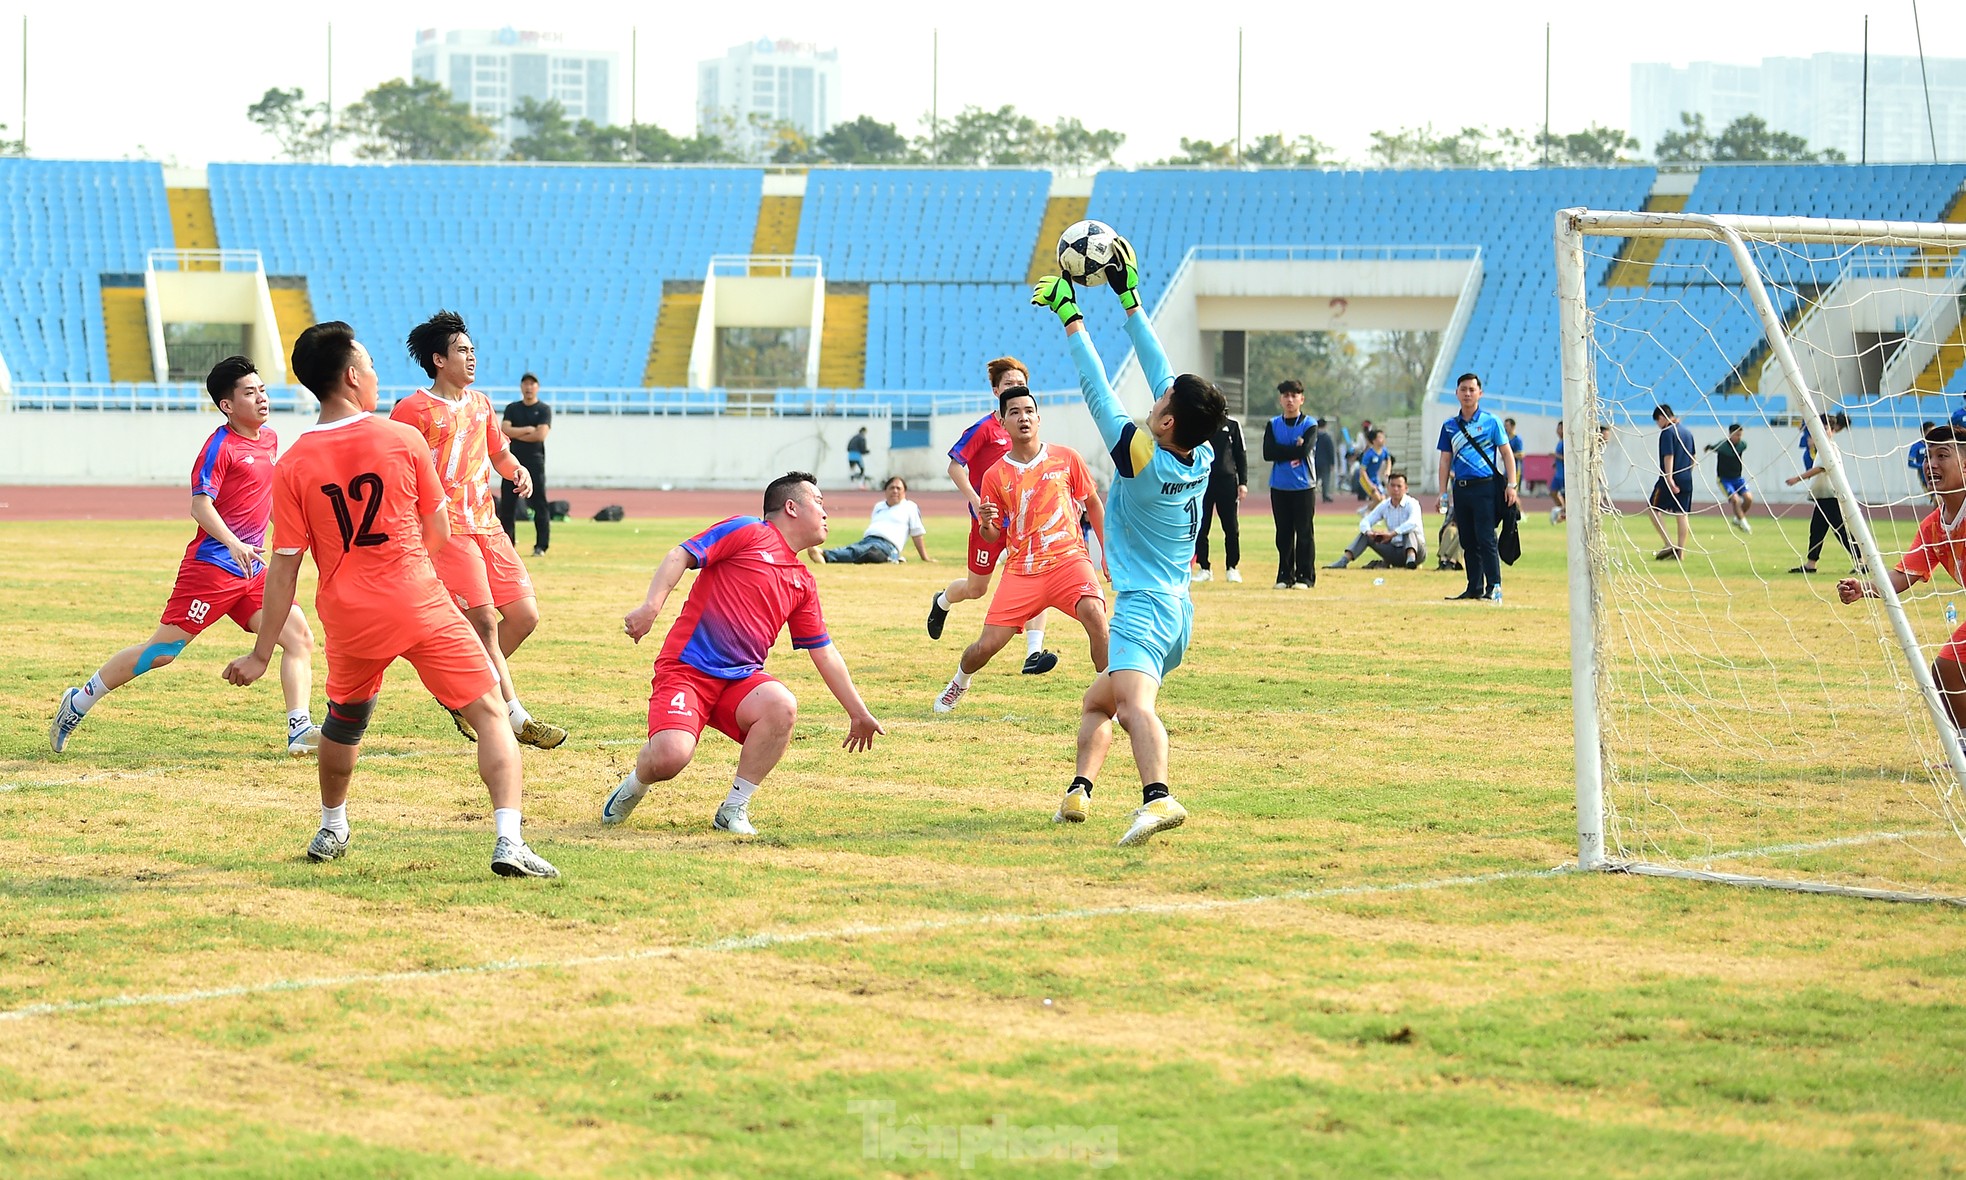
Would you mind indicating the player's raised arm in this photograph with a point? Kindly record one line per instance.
(862, 725)
(1056, 295)
(1123, 276)
(674, 564)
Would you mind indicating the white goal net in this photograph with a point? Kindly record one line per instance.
(1735, 720)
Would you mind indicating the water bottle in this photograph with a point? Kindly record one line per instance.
(1497, 596)
(1378, 581)
(1952, 615)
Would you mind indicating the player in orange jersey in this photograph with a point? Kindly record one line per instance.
(1940, 544)
(479, 567)
(1032, 501)
(361, 493)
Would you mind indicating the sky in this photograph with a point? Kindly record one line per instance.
(172, 81)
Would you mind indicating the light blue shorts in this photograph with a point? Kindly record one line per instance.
(1150, 632)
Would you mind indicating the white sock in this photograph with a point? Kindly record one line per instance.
(505, 821)
(942, 599)
(92, 692)
(1033, 641)
(298, 719)
(517, 713)
(335, 819)
(741, 790)
(962, 678)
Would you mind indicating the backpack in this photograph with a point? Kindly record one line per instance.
(1450, 545)
(611, 512)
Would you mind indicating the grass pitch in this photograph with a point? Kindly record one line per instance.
(1351, 961)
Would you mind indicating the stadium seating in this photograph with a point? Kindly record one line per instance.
(912, 225)
(557, 269)
(67, 224)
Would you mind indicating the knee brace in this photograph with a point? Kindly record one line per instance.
(148, 657)
(348, 721)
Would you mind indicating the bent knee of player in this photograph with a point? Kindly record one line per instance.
(773, 707)
(522, 614)
(297, 637)
(483, 620)
(977, 585)
(665, 756)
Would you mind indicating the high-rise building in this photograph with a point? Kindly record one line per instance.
(743, 94)
(491, 70)
(1820, 98)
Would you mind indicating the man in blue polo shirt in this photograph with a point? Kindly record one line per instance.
(1672, 495)
(1477, 464)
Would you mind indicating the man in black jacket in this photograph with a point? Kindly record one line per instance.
(1228, 483)
(1324, 459)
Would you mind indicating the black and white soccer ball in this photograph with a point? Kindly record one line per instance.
(1084, 249)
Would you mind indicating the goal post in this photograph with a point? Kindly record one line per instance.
(1726, 717)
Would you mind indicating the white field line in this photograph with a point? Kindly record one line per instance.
(750, 942)
(97, 776)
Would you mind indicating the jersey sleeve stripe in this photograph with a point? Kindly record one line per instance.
(700, 545)
(801, 643)
(1126, 453)
(208, 463)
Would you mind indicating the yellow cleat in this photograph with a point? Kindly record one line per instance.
(540, 735)
(1161, 815)
(1075, 807)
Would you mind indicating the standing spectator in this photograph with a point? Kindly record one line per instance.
(527, 422)
(1228, 483)
(1287, 447)
(1557, 512)
(894, 520)
(1373, 465)
(1394, 529)
(856, 458)
(1733, 477)
(1822, 493)
(1324, 456)
(1515, 446)
(1477, 464)
(1355, 445)
(1672, 495)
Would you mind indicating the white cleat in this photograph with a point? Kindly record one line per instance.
(735, 819)
(513, 859)
(1235, 575)
(302, 742)
(1745, 526)
(950, 695)
(326, 846)
(622, 800)
(1162, 815)
(1201, 576)
(66, 719)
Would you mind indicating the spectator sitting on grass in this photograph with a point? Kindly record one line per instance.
(894, 519)
(1393, 529)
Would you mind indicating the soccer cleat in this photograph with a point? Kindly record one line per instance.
(538, 552)
(304, 741)
(622, 800)
(1201, 576)
(1162, 815)
(950, 695)
(66, 719)
(1074, 807)
(1300, 585)
(540, 735)
(513, 859)
(326, 846)
(463, 726)
(1281, 586)
(937, 615)
(1235, 576)
(1040, 662)
(1553, 513)
(1745, 526)
(735, 819)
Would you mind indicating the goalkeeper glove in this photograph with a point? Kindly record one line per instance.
(1056, 293)
(1123, 275)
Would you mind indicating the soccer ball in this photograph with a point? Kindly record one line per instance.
(1084, 249)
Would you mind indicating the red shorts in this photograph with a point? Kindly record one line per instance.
(1955, 648)
(449, 660)
(982, 555)
(1022, 597)
(482, 569)
(687, 698)
(204, 594)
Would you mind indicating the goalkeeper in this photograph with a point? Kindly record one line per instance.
(1153, 511)
(1940, 542)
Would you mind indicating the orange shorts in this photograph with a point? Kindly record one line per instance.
(1022, 597)
(449, 660)
(982, 556)
(686, 698)
(482, 569)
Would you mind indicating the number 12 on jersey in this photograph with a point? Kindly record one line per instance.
(366, 490)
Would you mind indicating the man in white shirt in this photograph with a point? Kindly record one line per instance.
(1393, 529)
(895, 519)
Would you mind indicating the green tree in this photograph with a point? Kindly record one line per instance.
(416, 120)
(1746, 138)
(1274, 151)
(1470, 147)
(1007, 138)
(549, 134)
(11, 147)
(1201, 153)
(299, 127)
(866, 140)
(1592, 145)
(1069, 143)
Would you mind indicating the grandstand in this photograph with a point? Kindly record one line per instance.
(595, 276)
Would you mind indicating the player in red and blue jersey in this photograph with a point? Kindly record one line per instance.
(976, 453)
(222, 574)
(711, 667)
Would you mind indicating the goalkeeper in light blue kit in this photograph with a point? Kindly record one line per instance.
(1152, 514)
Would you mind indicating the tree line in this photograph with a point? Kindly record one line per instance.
(419, 120)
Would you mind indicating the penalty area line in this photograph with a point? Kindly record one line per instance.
(761, 941)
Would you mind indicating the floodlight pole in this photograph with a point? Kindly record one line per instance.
(1238, 96)
(935, 96)
(23, 84)
(1546, 94)
(330, 103)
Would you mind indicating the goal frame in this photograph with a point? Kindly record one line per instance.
(1581, 439)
